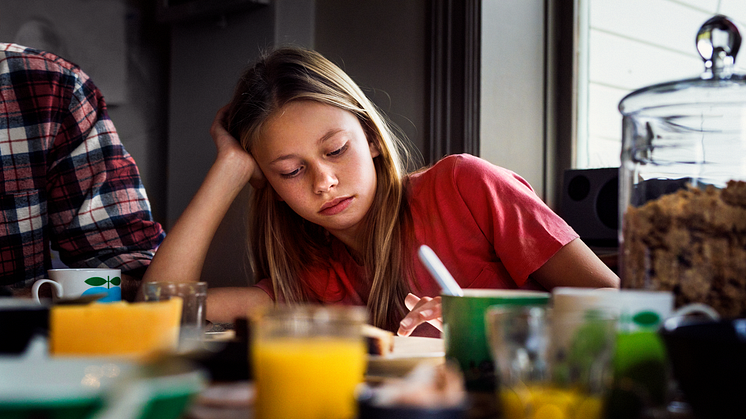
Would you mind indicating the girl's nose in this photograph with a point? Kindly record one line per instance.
(324, 180)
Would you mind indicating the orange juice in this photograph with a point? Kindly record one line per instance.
(308, 377)
(542, 402)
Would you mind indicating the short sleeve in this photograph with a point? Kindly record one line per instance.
(484, 222)
(524, 231)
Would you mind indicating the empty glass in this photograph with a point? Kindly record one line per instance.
(194, 295)
(551, 365)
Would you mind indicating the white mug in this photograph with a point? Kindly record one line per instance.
(77, 282)
(637, 309)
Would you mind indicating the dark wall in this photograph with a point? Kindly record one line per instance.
(207, 56)
(383, 46)
(141, 121)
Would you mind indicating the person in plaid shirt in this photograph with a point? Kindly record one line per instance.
(65, 177)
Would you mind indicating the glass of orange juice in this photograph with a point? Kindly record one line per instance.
(551, 365)
(307, 361)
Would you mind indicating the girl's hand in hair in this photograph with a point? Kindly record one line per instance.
(229, 149)
(425, 309)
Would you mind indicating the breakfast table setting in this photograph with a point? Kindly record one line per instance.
(669, 344)
(512, 354)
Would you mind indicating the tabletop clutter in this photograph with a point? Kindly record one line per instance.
(571, 353)
(85, 353)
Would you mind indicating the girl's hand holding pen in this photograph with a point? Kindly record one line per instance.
(425, 309)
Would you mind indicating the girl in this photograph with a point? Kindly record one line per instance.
(335, 219)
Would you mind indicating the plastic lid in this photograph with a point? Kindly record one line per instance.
(718, 42)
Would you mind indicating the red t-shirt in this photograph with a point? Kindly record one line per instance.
(485, 223)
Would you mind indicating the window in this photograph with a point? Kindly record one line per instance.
(624, 45)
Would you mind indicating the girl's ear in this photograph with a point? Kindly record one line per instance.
(374, 150)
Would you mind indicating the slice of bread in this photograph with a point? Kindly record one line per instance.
(380, 342)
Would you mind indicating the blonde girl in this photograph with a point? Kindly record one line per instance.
(335, 218)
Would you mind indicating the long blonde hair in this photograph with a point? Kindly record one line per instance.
(283, 244)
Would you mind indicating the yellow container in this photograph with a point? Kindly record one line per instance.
(132, 330)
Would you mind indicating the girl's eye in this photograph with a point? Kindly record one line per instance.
(291, 174)
(339, 151)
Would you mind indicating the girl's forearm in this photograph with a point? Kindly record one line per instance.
(224, 305)
(575, 265)
(182, 254)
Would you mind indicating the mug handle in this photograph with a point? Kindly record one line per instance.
(697, 308)
(679, 315)
(56, 288)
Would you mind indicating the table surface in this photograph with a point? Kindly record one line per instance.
(228, 400)
(235, 400)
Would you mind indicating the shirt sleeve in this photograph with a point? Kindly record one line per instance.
(265, 284)
(98, 208)
(523, 230)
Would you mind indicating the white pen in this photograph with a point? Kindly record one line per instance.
(439, 271)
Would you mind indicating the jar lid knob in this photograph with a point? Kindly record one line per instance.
(718, 41)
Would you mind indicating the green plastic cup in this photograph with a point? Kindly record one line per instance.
(464, 331)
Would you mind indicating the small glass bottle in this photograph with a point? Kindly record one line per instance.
(682, 193)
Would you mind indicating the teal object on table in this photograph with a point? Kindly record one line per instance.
(73, 409)
(90, 387)
(172, 390)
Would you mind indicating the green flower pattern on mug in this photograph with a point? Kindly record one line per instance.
(97, 281)
(646, 319)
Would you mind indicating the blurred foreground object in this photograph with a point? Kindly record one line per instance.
(380, 342)
(709, 364)
(20, 320)
(307, 361)
(428, 391)
(194, 304)
(132, 330)
(551, 364)
(36, 386)
(464, 331)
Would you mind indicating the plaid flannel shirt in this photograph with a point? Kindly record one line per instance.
(66, 179)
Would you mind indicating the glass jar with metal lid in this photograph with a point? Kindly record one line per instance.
(682, 181)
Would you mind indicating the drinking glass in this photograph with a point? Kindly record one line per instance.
(307, 361)
(194, 296)
(551, 365)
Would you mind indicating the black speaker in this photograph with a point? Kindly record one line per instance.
(590, 204)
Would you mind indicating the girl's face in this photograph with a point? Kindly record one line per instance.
(320, 162)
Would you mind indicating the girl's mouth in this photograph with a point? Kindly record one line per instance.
(335, 206)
